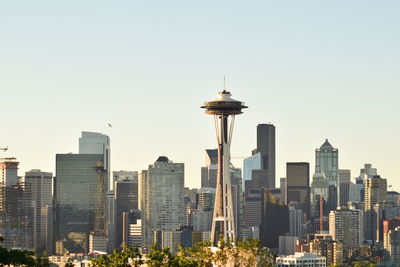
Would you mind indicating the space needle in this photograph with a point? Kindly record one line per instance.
(224, 109)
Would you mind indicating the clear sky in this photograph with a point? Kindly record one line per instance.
(315, 69)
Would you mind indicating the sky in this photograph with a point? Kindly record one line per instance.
(315, 69)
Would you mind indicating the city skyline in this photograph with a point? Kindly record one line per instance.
(147, 72)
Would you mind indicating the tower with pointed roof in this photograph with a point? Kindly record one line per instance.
(327, 162)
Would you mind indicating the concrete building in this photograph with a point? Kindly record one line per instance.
(201, 219)
(97, 143)
(383, 211)
(375, 189)
(97, 243)
(346, 225)
(301, 259)
(324, 245)
(163, 203)
(41, 185)
(391, 245)
(205, 197)
(287, 245)
(327, 162)
(391, 241)
(135, 237)
(298, 185)
(80, 201)
(296, 221)
(132, 228)
(16, 224)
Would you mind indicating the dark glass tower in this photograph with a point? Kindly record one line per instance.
(266, 146)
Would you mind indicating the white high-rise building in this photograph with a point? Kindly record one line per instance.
(41, 184)
(97, 143)
(163, 200)
(296, 218)
(347, 225)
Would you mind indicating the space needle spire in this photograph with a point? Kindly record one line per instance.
(224, 109)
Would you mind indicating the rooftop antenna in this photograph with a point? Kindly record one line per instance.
(224, 82)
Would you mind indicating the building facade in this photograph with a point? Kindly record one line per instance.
(266, 147)
(97, 143)
(298, 185)
(327, 162)
(375, 189)
(41, 185)
(80, 201)
(346, 225)
(163, 201)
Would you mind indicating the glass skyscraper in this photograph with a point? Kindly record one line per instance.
(97, 143)
(327, 162)
(80, 191)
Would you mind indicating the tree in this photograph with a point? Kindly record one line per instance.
(159, 257)
(16, 256)
(119, 258)
(201, 254)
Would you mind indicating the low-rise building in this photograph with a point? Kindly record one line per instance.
(300, 259)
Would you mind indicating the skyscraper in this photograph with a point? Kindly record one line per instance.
(298, 185)
(41, 184)
(274, 220)
(16, 220)
(80, 193)
(266, 146)
(326, 162)
(126, 200)
(346, 225)
(163, 203)
(296, 221)
(375, 189)
(344, 187)
(97, 143)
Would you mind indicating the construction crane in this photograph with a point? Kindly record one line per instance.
(4, 148)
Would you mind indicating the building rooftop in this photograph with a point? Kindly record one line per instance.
(326, 145)
(304, 255)
(162, 159)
